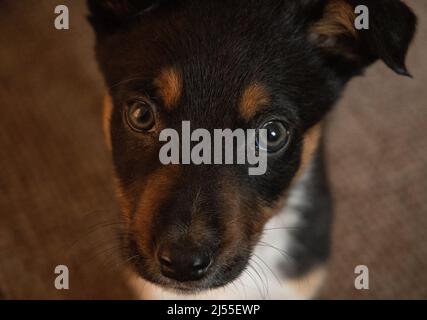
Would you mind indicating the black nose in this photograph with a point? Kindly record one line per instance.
(183, 264)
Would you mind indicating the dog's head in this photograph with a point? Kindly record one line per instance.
(273, 64)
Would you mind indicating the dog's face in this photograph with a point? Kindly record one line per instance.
(278, 65)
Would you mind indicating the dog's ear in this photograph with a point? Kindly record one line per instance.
(111, 15)
(390, 28)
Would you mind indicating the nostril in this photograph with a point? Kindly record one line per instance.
(183, 263)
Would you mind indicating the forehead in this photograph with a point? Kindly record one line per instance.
(208, 39)
(215, 54)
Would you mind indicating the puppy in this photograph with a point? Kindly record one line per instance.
(213, 231)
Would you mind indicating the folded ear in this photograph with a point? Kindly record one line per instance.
(110, 15)
(386, 34)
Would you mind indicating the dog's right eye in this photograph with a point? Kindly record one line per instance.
(278, 136)
(140, 116)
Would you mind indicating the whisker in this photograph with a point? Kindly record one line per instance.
(268, 267)
(283, 253)
(266, 283)
(254, 281)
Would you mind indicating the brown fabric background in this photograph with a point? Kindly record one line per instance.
(57, 203)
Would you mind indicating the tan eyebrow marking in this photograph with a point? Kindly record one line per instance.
(169, 86)
(253, 99)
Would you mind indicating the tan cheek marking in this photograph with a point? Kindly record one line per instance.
(253, 99)
(121, 194)
(338, 19)
(197, 231)
(237, 221)
(233, 231)
(158, 187)
(124, 202)
(310, 144)
(169, 86)
(233, 234)
(106, 119)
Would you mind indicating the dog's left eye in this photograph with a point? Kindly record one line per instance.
(278, 136)
(140, 115)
